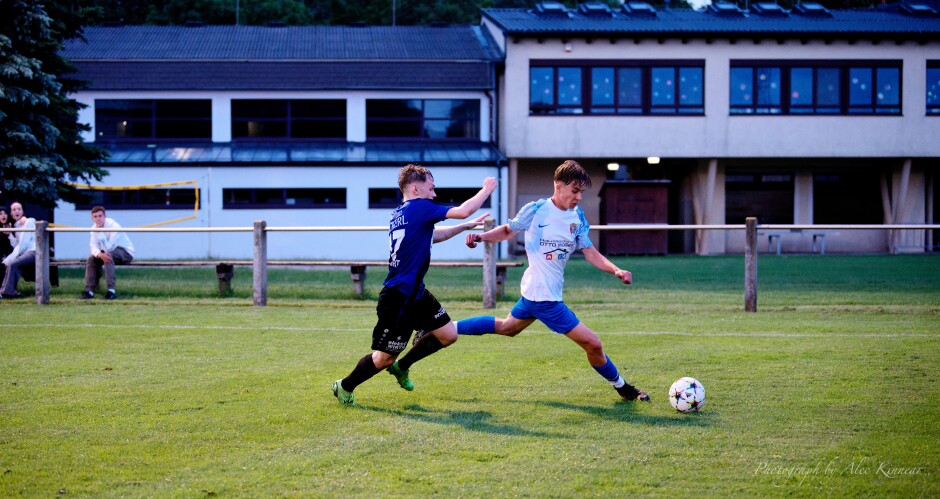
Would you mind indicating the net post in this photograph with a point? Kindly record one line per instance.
(489, 268)
(750, 265)
(42, 263)
(260, 264)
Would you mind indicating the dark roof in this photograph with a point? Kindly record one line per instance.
(850, 24)
(305, 154)
(289, 43)
(284, 58)
(293, 75)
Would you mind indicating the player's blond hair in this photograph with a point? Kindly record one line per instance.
(411, 173)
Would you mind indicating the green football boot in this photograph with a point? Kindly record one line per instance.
(401, 376)
(344, 397)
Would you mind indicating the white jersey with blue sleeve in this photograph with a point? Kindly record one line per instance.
(552, 235)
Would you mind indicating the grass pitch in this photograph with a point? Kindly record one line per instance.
(829, 389)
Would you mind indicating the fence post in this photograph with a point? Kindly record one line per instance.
(260, 264)
(750, 265)
(42, 263)
(489, 268)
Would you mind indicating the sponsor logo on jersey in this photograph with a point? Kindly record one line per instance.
(556, 254)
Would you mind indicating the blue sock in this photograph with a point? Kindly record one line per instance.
(476, 326)
(609, 372)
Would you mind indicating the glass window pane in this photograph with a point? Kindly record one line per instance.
(801, 86)
(742, 93)
(183, 129)
(259, 108)
(569, 86)
(393, 108)
(888, 91)
(318, 108)
(630, 87)
(933, 86)
(184, 109)
(541, 88)
(318, 129)
(663, 86)
(860, 83)
(602, 86)
(827, 89)
(768, 87)
(690, 87)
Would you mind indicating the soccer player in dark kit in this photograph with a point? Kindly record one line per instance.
(404, 303)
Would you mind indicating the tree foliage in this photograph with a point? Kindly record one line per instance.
(40, 138)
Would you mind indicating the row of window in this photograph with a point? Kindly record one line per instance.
(678, 87)
(147, 119)
(260, 198)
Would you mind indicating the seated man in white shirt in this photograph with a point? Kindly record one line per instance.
(108, 249)
(23, 254)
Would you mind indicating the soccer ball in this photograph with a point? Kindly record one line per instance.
(687, 395)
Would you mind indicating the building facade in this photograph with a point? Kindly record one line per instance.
(795, 116)
(220, 126)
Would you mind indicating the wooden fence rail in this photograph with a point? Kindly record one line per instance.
(260, 261)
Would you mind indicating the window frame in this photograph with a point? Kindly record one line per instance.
(647, 107)
(254, 204)
(155, 121)
(421, 122)
(932, 110)
(289, 120)
(845, 106)
(116, 200)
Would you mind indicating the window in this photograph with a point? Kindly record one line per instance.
(450, 196)
(810, 87)
(933, 88)
(142, 199)
(617, 87)
(767, 196)
(423, 119)
(143, 119)
(288, 119)
(842, 198)
(283, 198)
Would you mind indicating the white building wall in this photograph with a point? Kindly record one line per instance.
(368, 245)
(717, 134)
(212, 179)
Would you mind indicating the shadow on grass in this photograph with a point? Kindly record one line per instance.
(627, 412)
(469, 420)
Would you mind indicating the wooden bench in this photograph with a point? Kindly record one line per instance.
(225, 270)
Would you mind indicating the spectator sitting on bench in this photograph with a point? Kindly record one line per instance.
(107, 250)
(23, 253)
(6, 238)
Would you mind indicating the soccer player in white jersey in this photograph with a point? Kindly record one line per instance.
(554, 229)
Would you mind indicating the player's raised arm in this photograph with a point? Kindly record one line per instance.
(602, 263)
(470, 206)
(442, 234)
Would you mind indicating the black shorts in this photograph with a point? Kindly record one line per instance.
(398, 318)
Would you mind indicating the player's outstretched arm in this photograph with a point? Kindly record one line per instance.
(602, 263)
(442, 234)
(470, 206)
(501, 233)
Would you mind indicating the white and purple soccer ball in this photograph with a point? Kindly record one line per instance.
(687, 394)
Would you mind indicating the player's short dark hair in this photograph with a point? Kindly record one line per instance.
(411, 173)
(97, 208)
(570, 171)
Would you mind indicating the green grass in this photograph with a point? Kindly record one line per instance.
(829, 389)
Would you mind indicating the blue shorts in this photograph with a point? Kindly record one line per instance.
(554, 314)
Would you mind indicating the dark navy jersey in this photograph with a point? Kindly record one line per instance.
(411, 234)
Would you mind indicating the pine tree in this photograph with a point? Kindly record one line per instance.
(40, 138)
